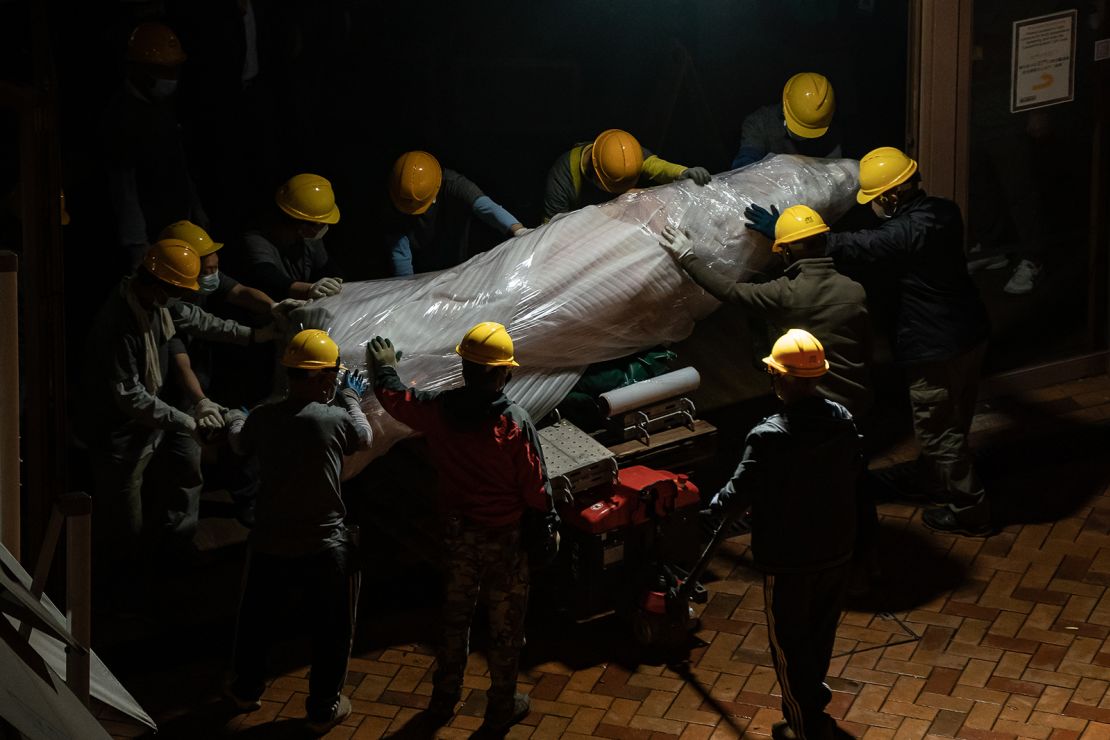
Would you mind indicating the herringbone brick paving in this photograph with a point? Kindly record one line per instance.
(981, 639)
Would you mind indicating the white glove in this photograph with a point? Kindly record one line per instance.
(699, 175)
(325, 287)
(281, 309)
(677, 243)
(266, 333)
(209, 415)
(522, 231)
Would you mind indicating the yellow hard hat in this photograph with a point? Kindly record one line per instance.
(155, 43)
(308, 198)
(808, 103)
(882, 169)
(173, 261)
(797, 223)
(414, 182)
(617, 159)
(193, 235)
(488, 343)
(64, 212)
(797, 353)
(311, 349)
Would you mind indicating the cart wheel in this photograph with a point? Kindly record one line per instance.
(644, 628)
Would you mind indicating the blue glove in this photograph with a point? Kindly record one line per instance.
(354, 384)
(762, 220)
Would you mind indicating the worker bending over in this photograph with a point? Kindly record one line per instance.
(299, 544)
(801, 124)
(798, 474)
(597, 171)
(490, 465)
(434, 207)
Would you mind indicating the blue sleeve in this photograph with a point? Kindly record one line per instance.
(493, 215)
(400, 252)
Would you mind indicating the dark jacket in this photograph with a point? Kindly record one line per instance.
(485, 447)
(940, 314)
(798, 474)
(438, 238)
(811, 295)
(273, 268)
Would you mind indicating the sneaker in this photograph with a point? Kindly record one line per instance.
(1025, 274)
(339, 712)
(968, 522)
(501, 720)
(241, 703)
(978, 259)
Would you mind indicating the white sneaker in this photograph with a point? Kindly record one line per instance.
(1022, 280)
(978, 259)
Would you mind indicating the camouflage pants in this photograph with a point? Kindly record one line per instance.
(491, 562)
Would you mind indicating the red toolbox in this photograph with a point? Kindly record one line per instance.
(627, 501)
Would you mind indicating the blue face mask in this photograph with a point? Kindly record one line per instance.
(208, 283)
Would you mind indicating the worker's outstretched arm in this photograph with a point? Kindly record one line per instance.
(353, 387)
(896, 240)
(133, 398)
(193, 320)
(750, 478)
(400, 254)
(760, 298)
(415, 408)
(495, 216)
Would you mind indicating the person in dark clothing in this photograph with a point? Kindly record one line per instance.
(811, 295)
(433, 211)
(597, 171)
(490, 465)
(149, 181)
(803, 459)
(941, 329)
(801, 124)
(287, 258)
(300, 544)
(124, 419)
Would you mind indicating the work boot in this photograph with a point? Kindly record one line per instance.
(340, 710)
(500, 718)
(973, 521)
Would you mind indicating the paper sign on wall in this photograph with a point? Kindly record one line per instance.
(1043, 61)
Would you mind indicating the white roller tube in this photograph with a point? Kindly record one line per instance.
(649, 391)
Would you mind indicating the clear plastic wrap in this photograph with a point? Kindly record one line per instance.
(589, 286)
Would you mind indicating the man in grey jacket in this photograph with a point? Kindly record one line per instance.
(123, 419)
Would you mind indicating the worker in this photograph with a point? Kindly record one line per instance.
(597, 171)
(148, 177)
(941, 326)
(801, 124)
(196, 360)
(802, 460)
(124, 420)
(299, 544)
(434, 207)
(286, 258)
(490, 467)
(814, 296)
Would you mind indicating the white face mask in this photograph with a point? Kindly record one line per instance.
(208, 283)
(162, 89)
(320, 234)
(879, 211)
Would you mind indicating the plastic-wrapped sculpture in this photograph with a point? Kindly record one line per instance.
(589, 286)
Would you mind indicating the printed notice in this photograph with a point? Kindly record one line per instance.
(1043, 61)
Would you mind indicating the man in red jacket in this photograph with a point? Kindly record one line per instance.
(491, 470)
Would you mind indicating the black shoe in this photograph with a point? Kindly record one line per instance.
(498, 718)
(442, 706)
(241, 702)
(903, 483)
(943, 519)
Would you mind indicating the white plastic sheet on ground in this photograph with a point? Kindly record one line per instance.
(589, 286)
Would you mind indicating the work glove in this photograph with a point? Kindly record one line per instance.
(209, 415)
(522, 231)
(264, 334)
(280, 310)
(762, 220)
(325, 287)
(353, 384)
(699, 175)
(677, 243)
(234, 416)
(380, 352)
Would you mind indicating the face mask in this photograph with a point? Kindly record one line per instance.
(208, 283)
(320, 234)
(879, 211)
(162, 89)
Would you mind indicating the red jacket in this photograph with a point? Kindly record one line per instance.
(485, 448)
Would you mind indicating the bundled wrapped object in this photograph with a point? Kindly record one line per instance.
(590, 286)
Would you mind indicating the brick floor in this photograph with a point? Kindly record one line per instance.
(979, 639)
